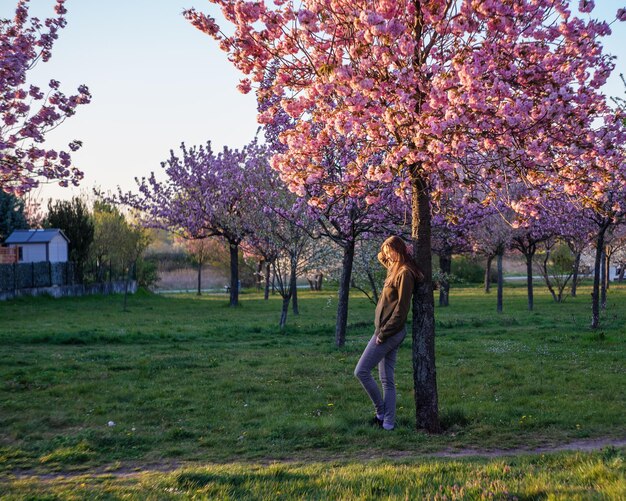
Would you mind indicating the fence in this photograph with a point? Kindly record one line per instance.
(18, 276)
(8, 255)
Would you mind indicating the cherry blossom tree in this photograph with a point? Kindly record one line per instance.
(601, 193)
(614, 248)
(29, 112)
(266, 250)
(526, 240)
(413, 87)
(343, 217)
(617, 251)
(547, 230)
(556, 266)
(204, 195)
(200, 250)
(490, 234)
(578, 235)
(283, 237)
(449, 236)
(346, 220)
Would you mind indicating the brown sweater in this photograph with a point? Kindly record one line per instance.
(394, 305)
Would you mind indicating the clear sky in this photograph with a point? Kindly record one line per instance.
(156, 81)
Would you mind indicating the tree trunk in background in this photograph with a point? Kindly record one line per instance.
(234, 274)
(128, 277)
(603, 280)
(199, 279)
(294, 290)
(607, 272)
(266, 296)
(259, 269)
(445, 265)
(575, 277)
(595, 295)
(423, 331)
(319, 278)
(284, 311)
(529, 279)
(488, 274)
(372, 282)
(500, 281)
(344, 294)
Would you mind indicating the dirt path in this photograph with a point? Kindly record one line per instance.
(136, 469)
(578, 445)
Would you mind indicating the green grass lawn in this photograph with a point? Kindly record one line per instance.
(188, 379)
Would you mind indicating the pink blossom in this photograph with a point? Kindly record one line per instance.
(244, 86)
(27, 116)
(586, 5)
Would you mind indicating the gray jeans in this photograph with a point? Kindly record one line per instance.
(384, 355)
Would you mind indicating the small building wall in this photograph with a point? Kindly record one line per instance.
(57, 250)
(33, 253)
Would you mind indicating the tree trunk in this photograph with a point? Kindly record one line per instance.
(130, 268)
(266, 296)
(575, 277)
(603, 280)
(595, 295)
(488, 274)
(546, 275)
(284, 311)
(294, 291)
(372, 282)
(529, 279)
(234, 273)
(445, 265)
(500, 281)
(423, 331)
(199, 279)
(607, 273)
(344, 294)
(259, 269)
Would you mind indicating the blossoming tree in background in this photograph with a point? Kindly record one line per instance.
(344, 217)
(28, 112)
(413, 87)
(204, 195)
(449, 236)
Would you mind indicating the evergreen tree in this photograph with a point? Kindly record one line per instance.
(12, 215)
(74, 218)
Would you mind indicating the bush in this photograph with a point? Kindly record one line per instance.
(468, 269)
(147, 273)
(168, 261)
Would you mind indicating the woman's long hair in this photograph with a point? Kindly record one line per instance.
(405, 260)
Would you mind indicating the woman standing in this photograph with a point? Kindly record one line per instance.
(390, 318)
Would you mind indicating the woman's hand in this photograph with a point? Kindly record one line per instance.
(379, 341)
(383, 259)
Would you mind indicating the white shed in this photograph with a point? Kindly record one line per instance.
(39, 245)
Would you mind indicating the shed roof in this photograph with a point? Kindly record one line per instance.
(34, 236)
